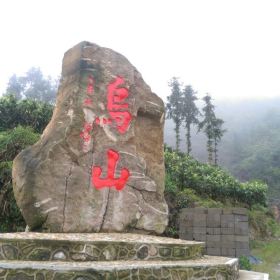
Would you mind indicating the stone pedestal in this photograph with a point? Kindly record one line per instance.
(39, 256)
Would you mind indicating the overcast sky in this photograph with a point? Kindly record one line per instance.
(229, 48)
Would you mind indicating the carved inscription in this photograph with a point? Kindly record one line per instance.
(120, 118)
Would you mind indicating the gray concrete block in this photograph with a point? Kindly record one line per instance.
(183, 227)
(228, 252)
(241, 245)
(227, 230)
(227, 211)
(213, 251)
(199, 237)
(241, 238)
(228, 241)
(213, 231)
(199, 220)
(216, 231)
(227, 221)
(215, 211)
(242, 228)
(240, 211)
(213, 238)
(201, 230)
(213, 244)
(185, 236)
(209, 231)
(227, 238)
(240, 218)
(187, 219)
(228, 224)
(214, 219)
(242, 252)
(200, 210)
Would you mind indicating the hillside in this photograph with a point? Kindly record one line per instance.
(251, 147)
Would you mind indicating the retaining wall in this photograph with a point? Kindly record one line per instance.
(225, 231)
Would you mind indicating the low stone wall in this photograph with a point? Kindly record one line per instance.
(225, 231)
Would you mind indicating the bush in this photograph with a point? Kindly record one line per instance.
(24, 112)
(11, 143)
(244, 263)
(15, 140)
(10, 216)
(210, 181)
(262, 223)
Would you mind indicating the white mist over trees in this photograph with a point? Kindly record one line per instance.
(181, 108)
(33, 85)
(250, 149)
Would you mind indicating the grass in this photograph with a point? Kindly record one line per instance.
(269, 253)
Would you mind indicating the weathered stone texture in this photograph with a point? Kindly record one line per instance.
(99, 164)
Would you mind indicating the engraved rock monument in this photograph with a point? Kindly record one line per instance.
(99, 164)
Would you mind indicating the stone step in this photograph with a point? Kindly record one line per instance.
(252, 275)
(208, 268)
(95, 247)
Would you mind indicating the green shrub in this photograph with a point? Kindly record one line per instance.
(262, 223)
(11, 143)
(15, 140)
(210, 181)
(25, 112)
(244, 263)
(10, 216)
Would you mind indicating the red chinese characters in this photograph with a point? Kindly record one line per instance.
(110, 180)
(120, 118)
(116, 105)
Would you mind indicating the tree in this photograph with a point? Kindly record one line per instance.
(207, 125)
(212, 127)
(25, 112)
(218, 133)
(15, 86)
(190, 113)
(33, 85)
(174, 107)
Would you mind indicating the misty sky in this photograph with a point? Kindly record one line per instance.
(229, 48)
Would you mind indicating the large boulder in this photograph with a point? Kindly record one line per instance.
(99, 165)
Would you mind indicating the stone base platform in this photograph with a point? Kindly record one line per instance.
(48, 256)
(208, 268)
(252, 275)
(95, 247)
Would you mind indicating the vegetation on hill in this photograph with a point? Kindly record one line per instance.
(24, 112)
(190, 183)
(21, 123)
(11, 143)
(251, 147)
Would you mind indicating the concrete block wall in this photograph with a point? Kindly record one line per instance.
(225, 231)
